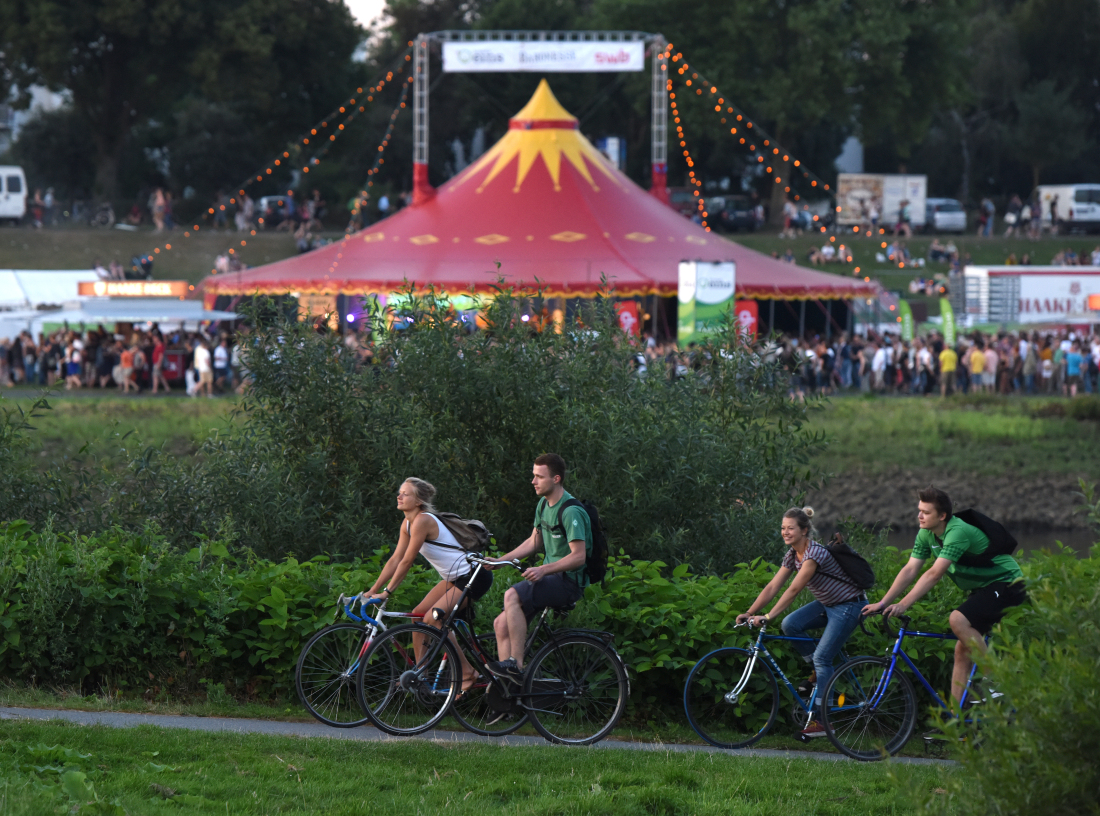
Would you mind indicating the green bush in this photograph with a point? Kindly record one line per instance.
(1035, 749)
(695, 470)
(122, 611)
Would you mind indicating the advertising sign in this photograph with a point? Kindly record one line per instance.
(948, 315)
(544, 57)
(705, 294)
(906, 315)
(857, 194)
(747, 314)
(627, 310)
(132, 289)
(1015, 294)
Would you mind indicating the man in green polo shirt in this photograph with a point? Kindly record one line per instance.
(993, 587)
(564, 534)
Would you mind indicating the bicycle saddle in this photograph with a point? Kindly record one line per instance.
(562, 611)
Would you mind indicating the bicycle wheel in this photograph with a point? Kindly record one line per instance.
(862, 719)
(484, 709)
(575, 688)
(719, 717)
(325, 676)
(419, 694)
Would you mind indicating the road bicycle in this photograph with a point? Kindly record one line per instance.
(870, 707)
(573, 692)
(327, 667)
(731, 697)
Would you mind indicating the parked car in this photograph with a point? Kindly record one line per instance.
(734, 212)
(683, 200)
(13, 193)
(944, 215)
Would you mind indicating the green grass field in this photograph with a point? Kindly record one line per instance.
(983, 436)
(105, 422)
(189, 259)
(150, 770)
(192, 258)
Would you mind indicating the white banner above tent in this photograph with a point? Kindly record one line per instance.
(546, 57)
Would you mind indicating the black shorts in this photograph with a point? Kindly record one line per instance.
(554, 590)
(987, 605)
(480, 585)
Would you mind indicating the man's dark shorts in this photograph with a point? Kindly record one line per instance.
(987, 605)
(553, 590)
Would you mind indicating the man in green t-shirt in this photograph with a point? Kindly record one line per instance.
(564, 534)
(993, 587)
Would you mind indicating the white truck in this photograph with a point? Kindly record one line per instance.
(13, 193)
(1076, 207)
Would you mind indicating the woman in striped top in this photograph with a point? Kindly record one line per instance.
(836, 606)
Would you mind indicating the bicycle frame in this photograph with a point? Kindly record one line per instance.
(470, 641)
(758, 648)
(373, 625)
(896, 651)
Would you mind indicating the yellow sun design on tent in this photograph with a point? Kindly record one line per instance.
(542, 128)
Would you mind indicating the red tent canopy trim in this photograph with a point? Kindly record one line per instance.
(548, 207)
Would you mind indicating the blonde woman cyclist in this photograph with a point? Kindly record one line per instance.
(836, 606)
(423, 534)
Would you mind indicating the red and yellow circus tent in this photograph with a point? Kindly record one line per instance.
(545, 205)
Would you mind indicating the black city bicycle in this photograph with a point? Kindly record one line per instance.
(573, 691)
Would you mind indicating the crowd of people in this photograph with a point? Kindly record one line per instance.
(1047, 362)
(154, 361)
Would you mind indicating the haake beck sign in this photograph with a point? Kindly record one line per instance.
(176, 289)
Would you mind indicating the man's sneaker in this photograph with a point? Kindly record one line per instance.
(813, 729)
(807, 685)
(936, 735)
(508, 669)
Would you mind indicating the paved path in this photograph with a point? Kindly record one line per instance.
(366, 734)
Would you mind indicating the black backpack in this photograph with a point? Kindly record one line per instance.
(595, 563)
(1001, 541)
(854, 565)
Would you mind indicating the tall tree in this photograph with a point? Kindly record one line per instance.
(126, 61)
(1050, 128)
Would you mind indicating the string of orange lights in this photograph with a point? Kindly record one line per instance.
(348, 108)
(742, 127)
(692, 178)
(379, 160)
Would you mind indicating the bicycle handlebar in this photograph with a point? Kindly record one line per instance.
(477, 558)
(905, 620)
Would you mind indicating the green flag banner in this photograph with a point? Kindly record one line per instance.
(705, 294)
(906, 315)
(948, 321)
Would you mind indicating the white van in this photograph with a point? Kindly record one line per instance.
(1078, 206)
(13, 193)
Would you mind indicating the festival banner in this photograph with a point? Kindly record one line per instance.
(544, 57)
(948, 322)
(747, 314)
(685, 296)
(906, 315)
(705, 296)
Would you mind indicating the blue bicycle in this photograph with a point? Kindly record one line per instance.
(731, 696)
(327, 667)
(870, 707)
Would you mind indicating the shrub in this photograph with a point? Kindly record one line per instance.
(1034, 750)
(117, 610)
(693, 470)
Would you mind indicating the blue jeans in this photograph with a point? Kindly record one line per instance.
(838, 622)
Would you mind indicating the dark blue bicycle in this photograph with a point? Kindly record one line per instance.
(870, 707)
(732, 698)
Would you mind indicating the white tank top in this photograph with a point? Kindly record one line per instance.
(449, 563)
